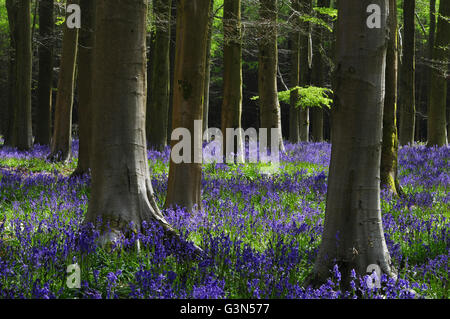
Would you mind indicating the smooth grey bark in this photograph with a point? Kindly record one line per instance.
(232, 72)
(407, 77)
(19, 15)
(437, 117)
(121, 188)
(294, 112)
(85, 83)
(353, 236)
(270, 113)
(317, 75)
(305, 71)
(208, 69)
(61, 145)
(158, 105)
(184, 185)
(389, 153)
(45, 82)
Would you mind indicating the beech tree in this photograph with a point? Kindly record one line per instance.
(270, 113)
(184, 185)
(85, 82)
(294, 125)
(20, 127)
(61, 146)
(158, 105)
(353, 236)
(45, 82)
(305, 71)
(121, 190)
(389, 153)
(208, 68)
(232, 66)
(437, 118)
(317, 74)
(407, 76)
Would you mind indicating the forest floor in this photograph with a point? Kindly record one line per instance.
(260, 227)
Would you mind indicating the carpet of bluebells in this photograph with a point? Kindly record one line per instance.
(260, 231)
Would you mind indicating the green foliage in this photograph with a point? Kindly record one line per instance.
(327, 12)
(309, 96)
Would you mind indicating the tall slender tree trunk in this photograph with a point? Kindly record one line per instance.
(294, 111)
(305, 71)
(19, 13)
(267, 70)
(121, 188)
(208, 69)
(184, 185)
(232, 76)
(353, 236)
(173, 39)
(431, 38)
(389, 152)
(407, 76)
(317, 75)
(160, 80)
(11, 7)
(45, 82)
(61, 146)
(437, 117)
(85, 83)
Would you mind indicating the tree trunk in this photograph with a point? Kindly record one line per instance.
(184, 185)
(85, 67)
(11, 7)
(121, 188)
(353, 236)
(61, 147)
(208, 69)
(437, 117)
(232, 76)
(19, 13)
(407, 77)
(45, 82)
(173, 39)
(389, 152)
(294, 112)
(305, 71)
(267, 70)
(318, 75)
(160, 79)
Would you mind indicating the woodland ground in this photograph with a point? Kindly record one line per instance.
(260, 231)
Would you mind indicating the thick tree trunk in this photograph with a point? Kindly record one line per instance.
(121, 188)
(437, 117)
(208, 69)
(267, 70)
(184, 185)
(353, 236)
(61, 146)
(45, 83)
(19, 13)
(294, 112)
(389, 152)
(232, 76)
(305, 71)
(85, 82)
(407, 77)
(160, 80)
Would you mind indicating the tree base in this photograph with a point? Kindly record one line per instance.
(59, 156)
